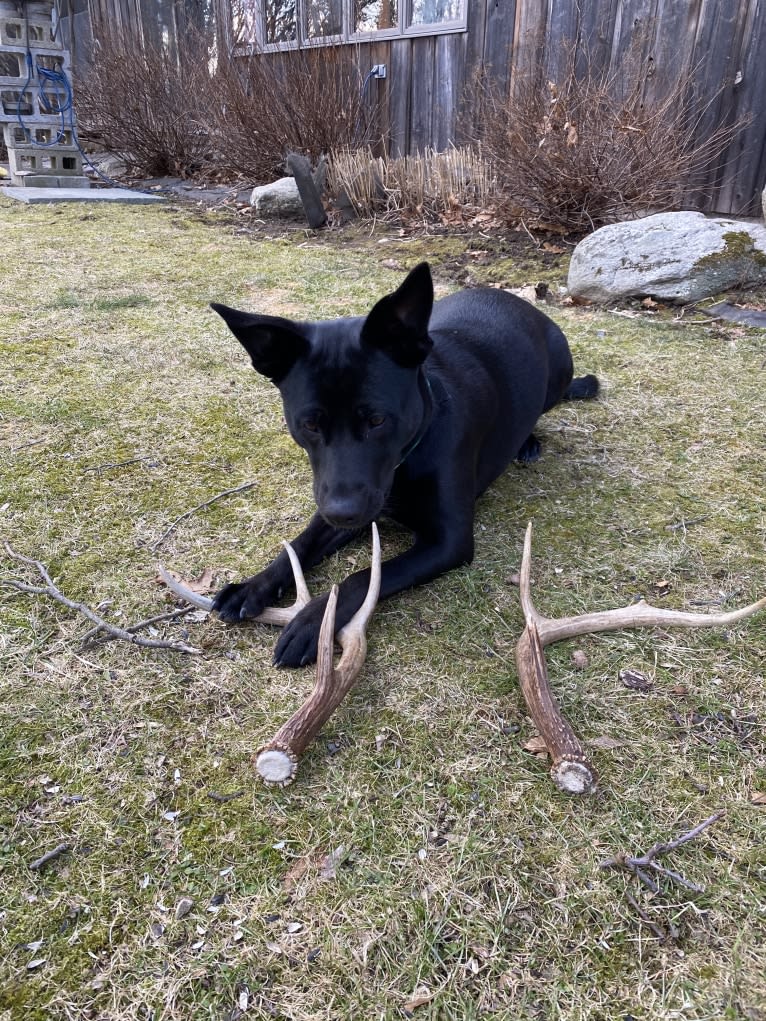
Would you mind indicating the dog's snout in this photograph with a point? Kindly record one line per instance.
(344, 512)
(349, 507)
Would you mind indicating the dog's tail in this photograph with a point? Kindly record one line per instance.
(582, 388)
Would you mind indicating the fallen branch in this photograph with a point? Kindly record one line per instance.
(49, 856)
(656, 929)
(571, 770)
(637, 866)
(50, 590)
(97, 635)
(200, 506)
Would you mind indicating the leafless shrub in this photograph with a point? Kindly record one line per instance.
(180, 112)
(150, 107)
(430, 185)
(310, 101)
(591, 147)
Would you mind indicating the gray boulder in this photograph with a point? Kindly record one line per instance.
(279, 199)
(678, 257)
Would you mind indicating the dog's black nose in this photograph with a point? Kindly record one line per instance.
(345, 512)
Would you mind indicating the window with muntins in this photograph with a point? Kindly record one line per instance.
(286, 24)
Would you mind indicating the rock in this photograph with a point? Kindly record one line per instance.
(763, 203)
(183, 907)
(678, 257)
(279, 199)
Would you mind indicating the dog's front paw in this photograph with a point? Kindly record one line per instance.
(298, 642)
(243, 599)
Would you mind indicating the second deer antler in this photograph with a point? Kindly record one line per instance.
(571, 770)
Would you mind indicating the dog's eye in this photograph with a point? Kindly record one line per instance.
(311, 425)
(376, 420)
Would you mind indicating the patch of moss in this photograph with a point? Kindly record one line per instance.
(738, 246)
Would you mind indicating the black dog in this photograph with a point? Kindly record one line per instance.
(411, 413)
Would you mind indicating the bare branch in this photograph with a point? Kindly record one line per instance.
(97, 635)
(637, 864)
(53, 592)
(200, 506)
(49, 856)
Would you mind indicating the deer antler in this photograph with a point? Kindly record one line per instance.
(271, 615)
(277, 761)
(571, 771)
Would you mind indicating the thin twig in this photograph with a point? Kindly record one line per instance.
(671, 845)
(201, 506)
(30, 443)
(53, 592)
(223, 798)
(638, 864)
(119, 464)
(658, 932)
(677, 878)
(95, 636)
(49, 856)
(685, 522)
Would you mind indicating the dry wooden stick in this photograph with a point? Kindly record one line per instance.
(53, 592)
(637, 865)
(200, 506)
(571, 770)
(97, 635)
(49, 856)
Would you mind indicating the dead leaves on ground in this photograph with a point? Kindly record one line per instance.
(203, 584)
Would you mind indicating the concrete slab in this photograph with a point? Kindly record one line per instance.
(33, 196)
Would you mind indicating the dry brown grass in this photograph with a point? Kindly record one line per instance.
(429, 186)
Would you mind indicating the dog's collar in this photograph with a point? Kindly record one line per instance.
(424, 385)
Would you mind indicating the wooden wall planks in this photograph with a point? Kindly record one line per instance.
(722, 41)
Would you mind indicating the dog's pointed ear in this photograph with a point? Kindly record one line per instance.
(274, 344)
(398, 323)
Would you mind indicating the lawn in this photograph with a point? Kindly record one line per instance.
(422, 864)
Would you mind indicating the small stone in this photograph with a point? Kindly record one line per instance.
(183, 907)
(635, 680)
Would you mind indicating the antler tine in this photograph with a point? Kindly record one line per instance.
(271, 615)
(302, 594)
(358, 623)
(277, 761)
(636, 615)
(183, 592)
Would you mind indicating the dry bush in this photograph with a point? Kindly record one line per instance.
(430, 185)
(310, 101)
(148, 106)
(591, 148)
(175, 112)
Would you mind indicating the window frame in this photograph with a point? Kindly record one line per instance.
(404, 30)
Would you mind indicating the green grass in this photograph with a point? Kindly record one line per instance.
(464, 885)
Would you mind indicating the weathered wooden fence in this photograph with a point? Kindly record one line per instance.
(722, 41)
